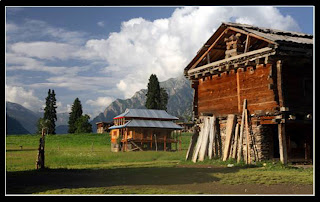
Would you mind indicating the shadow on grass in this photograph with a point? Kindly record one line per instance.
(34, 181)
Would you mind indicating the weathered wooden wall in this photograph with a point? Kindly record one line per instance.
(219, 95)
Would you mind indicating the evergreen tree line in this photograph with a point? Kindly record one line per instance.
(77, 123)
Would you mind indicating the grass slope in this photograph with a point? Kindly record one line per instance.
(84, 164)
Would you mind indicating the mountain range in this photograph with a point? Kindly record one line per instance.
(21, 120)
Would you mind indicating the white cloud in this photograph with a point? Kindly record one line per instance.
(98, 105)
(31, 29)
(44, 50)
(165, 46)
(16, 61)
(128, 57)
(11, 27)
(23, 97)
(100, 101)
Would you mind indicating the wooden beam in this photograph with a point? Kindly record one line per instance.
(282, 143)
(250, 34)
(235, 143)
(248, 137)
(204, 142)
(238, 92)
(212, 123)
(229, 132)
(246, 48)
(241, 131)
(279, 83)
(219, 62)
(211, 46)
(192, 143)
(197, 148)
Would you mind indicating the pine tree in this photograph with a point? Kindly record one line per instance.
(157, 98)
(50, 113)
(75, 114)
(153, 94)
(164, 97)
(82, 124)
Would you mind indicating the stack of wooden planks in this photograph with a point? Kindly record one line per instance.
(202, 142)
(237, 144)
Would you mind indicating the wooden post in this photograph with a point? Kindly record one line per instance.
(193, 141)
(165, 143)
(229, 132)
(247, 44)
(282, 143)
(306, 149)
(211, 136)
(180, 141)
(40, 158)
(199, 140)
(241, 131)
(155, 140)
(247, 138)
(151, 142)
(235, 143)
(279, 83)
(238, 91)
(204, 142)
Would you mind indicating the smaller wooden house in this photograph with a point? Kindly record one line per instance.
(187, 126)
(145, 129)
(103, 127)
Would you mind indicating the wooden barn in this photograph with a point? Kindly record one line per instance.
(103, 127)
(268, 73)
(145, 129)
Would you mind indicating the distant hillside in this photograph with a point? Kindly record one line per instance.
(28, 119)
(13, 127)
(179, 103)
(62, 129)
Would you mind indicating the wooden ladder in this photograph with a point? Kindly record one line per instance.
(134, 144)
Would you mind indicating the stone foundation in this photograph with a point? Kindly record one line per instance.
(261, 140)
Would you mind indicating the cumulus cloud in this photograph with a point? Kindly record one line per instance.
(126, 58)
(165, 46)
(23, 97)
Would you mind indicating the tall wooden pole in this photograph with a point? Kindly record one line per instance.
(229, 131)
(282, 143)
(240, 153)
(235, 143)
(248, 137)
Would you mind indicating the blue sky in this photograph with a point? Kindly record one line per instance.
(99, 54)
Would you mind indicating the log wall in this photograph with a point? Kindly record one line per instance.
(219, 95)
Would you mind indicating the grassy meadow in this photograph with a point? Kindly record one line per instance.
(84, 164)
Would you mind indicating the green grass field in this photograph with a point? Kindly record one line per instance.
(84, 164)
